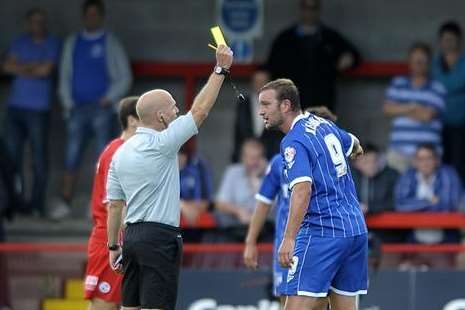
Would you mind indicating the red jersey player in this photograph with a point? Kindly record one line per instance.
(102, 285)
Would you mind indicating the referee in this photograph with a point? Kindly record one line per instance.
(144, 175)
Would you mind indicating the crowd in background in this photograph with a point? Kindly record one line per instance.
(421, 170)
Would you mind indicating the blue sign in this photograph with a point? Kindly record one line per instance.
(241, 18)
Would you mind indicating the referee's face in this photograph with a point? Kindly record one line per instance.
(171, 110)
(270, 109)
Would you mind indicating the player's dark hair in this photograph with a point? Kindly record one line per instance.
(94, 3)
(450, 27)
(127, 107)
(370, 148)
(285, 89)
(420, 46)
(429, 147)
(34, 11)
(322, 111)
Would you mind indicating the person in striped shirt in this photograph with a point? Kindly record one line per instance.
(325, 245)
(415, 103)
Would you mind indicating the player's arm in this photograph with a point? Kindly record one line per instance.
(300, 199)
(256, 224)
(206, 98)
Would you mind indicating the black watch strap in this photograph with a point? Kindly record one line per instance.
(221, 71)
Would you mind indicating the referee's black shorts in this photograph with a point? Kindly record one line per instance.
(152, 255)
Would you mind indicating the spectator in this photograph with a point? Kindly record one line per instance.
(94, 75)
(249, 124)
(196, 186)
(449, 69)
(31, 60)
(429, 186)
(415, 102)
(236, 197)
(311, 54)
(375, 181)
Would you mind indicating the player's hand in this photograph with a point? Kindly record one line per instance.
(251, 256)
(358, 151)
(117, 267)
(224, 56)
(285, 252)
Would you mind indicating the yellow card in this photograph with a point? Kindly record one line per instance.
(218, 36)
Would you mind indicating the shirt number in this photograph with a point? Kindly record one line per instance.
(337, 155)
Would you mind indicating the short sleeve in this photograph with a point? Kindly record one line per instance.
(271, 182)
(347, 141)
(298, 165)
(114, 189)
(177, 133)
(15, 48)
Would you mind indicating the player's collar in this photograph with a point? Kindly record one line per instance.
(298, 118)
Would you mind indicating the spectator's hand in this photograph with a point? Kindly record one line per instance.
(251, 256)
(105, 102)
(286, 252)
(364, 208)
(224, 56)
(434, 199)
(244, 216)
(345, 61)
(118, 268)
(189, 212)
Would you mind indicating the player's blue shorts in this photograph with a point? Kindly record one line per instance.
(322, 264)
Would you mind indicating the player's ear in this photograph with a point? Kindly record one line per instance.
(286, 105)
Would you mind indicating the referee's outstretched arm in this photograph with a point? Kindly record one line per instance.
(207, 96)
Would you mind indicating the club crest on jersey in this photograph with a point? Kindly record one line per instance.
(289, 156)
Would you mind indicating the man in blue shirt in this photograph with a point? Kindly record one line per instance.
(195, 185)
(31, 60)
(94, 76)
(325, 242)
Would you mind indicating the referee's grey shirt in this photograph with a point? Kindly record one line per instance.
(144, 172)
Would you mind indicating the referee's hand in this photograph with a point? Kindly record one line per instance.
(224, 56)
(285, 252)
(116, 263)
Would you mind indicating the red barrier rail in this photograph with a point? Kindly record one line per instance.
(389, 220)
(190, 248)
(192, 71)
(397, 220)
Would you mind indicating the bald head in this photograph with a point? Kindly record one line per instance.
(156, 108)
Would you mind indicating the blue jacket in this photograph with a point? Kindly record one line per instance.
(447, 187)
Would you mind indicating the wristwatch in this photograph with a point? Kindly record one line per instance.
(221, 71)
(113, 247)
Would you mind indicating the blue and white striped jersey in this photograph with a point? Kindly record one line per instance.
(315, 150)
(407, 133)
